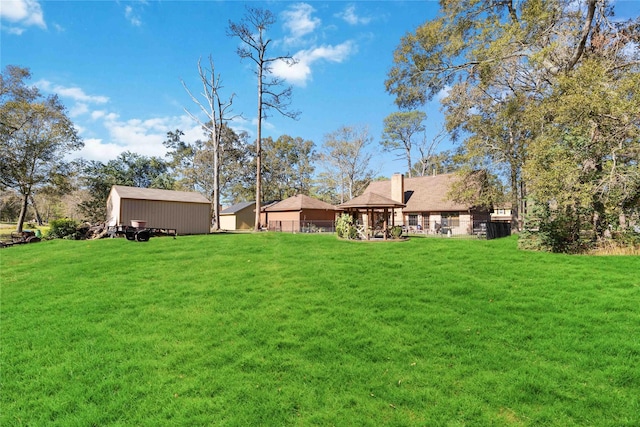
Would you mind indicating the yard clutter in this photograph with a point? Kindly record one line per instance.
(22, 237)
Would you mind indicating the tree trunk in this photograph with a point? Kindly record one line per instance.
(259, 152)
(23, 213)
(515, 200)
(216, 180)
(35, 208)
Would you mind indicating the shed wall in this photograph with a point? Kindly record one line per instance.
(241, 220)
(246, 218)
(113, 208)
(186, 218)
(228, 222)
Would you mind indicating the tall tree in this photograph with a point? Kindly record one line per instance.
(216, 110)
(252, 32)
(346, 161)
(35, 136)
(399, 131)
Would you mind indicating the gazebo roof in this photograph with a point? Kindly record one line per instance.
(370, 201)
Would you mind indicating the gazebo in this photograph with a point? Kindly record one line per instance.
(369, 204)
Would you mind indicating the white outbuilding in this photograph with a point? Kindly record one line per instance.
(184, 211)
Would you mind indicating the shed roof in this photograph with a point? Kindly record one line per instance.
(424, 193)
(237, 208)
(298, 203)
(371, 200)
(159, 195)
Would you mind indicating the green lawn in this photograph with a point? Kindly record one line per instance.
(279, 329)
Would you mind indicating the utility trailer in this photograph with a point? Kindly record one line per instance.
(139, 234)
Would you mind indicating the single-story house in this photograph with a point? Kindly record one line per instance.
(184, 211)
(428, 206)
(300, 213)
(241, 216)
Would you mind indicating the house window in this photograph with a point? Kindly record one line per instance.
(425, 220)
(451, 219)
(413, 220)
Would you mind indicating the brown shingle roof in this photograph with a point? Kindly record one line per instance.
(159, 195)
(371, 200)
(299, 202)
(424, 193)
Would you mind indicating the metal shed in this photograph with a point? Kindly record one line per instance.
(240, 216)
(186, 212)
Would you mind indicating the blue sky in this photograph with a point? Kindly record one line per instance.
(118, 65)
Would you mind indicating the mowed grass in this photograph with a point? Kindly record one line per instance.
(279, 329)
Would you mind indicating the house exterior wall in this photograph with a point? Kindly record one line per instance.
(292, 221)
(464, 222)
(315, 214)
(283, 221)
(186, 218)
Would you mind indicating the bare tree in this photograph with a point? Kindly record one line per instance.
(215, 109)
(251, 31)
(427, 149)
(399, 130)
(346, 160)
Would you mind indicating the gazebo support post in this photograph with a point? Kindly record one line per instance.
(386, 223)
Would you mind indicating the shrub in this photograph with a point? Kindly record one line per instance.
(64, 228)
(345, 228)
(396, 231)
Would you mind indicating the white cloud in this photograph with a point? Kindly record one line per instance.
(443, 93)
(350, 17)
(300, 73)
(298, 21)
(13, 30)
(79, 109)
(132, 16)
(21, 13)
(74, 93)
(96, 149)
(145, 137)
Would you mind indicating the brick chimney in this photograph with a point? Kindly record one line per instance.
(397, 187)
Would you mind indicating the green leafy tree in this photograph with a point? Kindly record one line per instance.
(129, 169)
(252, 32)
(192, 164)
(288, 167)
(35, 136)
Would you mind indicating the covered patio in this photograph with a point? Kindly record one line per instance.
(375, 210)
